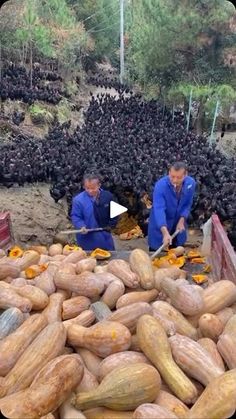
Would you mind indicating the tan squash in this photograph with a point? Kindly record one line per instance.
(155, 345)
(153, 411)
(141, 264)
(30, 257)
(42, 250)
(121, 269)
(9, 298)
(74, 257)
(8, 269)
(167, 325)
(224, 315)
(100, 269)
(47, 345)
(123, 389)
(218, 399)
(107, 278)
(86, 318)
(135, 344)
(219, 295)
(172, 272)
(67, 411)
(170, 402)
(121, 359)
(182, 326)
(74, 306)
(86, 284)
(193, 359)
(103, 338)
(88, 382)
(210, 326)
(210, 346)
(69, 248)
(230, 327)
(137, 297)
(130, 314)
(226, 346)
(103, 413)
(55, 249)
(45, 281)
(91, 361)
(38, 298)
(2, 253)
(113, 293)
(20, 282)
(184, 297)
(53, 311)
(50, 388)
(13, 346)
(83, 265)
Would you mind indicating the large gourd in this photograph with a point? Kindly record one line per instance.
(193, 359)
(170, 402)
(121, 269)
(9, 298)
(130, 314)
(185, 297)
(153, 411)
(137, 297)
(217, 400)
(120, 360)
(154, 344)
(219, 295)
(47, 345)
(86, 284)
(12, 346)
(74, 306)
(210, 326)
(113, 293)
(141, 264)
(50, 388)
(103, 338)
(53, 311)
(124, 388)
(182, 326)
(210, 346)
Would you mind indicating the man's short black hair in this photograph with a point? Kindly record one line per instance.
(92, 176)
(179, 165)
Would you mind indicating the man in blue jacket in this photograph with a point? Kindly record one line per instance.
(172, 202)
(91, 209)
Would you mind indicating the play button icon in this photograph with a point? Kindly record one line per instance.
(116, 209)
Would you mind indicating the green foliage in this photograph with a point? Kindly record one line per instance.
(63, 111)
(39, 114)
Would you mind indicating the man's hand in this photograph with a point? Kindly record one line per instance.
(167, 240)
(180, 226)
(83, 230)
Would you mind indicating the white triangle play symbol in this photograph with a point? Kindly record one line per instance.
(116, 209)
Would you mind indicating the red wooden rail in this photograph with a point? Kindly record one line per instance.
(223, 256)
(6, 233)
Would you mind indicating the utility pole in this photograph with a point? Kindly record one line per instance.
(122, 58)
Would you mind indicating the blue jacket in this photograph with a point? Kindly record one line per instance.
(90, 214)
(168, 208)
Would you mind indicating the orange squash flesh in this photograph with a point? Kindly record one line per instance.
(100, 254)
(15, 252)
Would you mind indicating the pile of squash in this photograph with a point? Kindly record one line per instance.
(163, 348)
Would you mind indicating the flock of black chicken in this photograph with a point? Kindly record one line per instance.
(15, 85)
(131, 143)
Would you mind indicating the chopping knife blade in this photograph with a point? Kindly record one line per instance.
(158, 251)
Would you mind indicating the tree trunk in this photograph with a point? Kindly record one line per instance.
(200, 120)
(31, 64)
